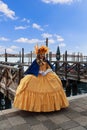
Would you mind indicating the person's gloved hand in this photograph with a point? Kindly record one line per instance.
(40, 72)
(43, 73)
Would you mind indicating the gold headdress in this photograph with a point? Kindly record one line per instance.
(41, 50)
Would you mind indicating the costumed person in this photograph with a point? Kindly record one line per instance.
(40, 90)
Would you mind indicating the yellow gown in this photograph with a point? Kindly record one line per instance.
(41, 93)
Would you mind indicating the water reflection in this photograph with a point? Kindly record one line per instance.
(5, 102)
(73, 88)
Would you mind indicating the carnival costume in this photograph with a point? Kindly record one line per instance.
(41, 89)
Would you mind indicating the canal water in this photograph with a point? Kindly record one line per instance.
(5, 102)
(73, 88)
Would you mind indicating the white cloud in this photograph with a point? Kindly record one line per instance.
(6, 11)
(46, 25)
(59, 38)
(26, 40)
(53, 38)
(2, 49)
(46, 35)
(36, 26)
(51, 41)
(21, 27)
(11, 49)
(4, 39)
(59, 1)
(14, 47)
(62, 44)
(25, 20)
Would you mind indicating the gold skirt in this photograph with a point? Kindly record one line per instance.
(40, 94)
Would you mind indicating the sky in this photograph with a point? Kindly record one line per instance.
(26, 23)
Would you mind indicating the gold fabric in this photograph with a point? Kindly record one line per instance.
(41, 94)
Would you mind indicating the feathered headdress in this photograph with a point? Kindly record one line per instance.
(41, 50)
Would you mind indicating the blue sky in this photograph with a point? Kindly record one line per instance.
(24, 23)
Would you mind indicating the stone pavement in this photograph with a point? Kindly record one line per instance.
(72, 118)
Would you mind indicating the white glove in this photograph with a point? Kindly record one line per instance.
(40, 72)
(46, 72)
(43, 73)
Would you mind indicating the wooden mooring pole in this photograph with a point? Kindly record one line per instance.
(50, 56)
(22, 55)
(47, 46)
(31, 56)
(5, 56)
(66, 64)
